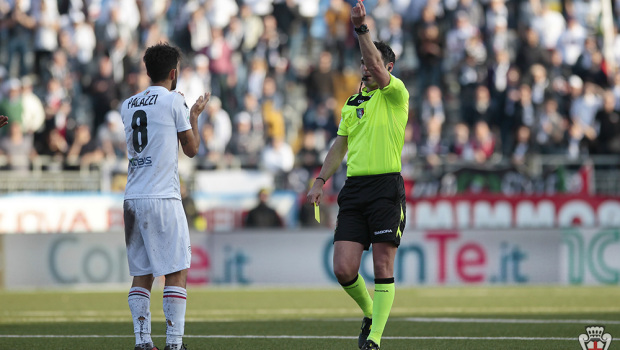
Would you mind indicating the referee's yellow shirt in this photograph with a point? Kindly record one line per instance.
(374, 123)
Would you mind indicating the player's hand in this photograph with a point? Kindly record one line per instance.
(358, 14)
(200, 104)
(316, 192)
(4, 120)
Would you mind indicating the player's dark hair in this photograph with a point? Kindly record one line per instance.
(386, 52)
(160, 59)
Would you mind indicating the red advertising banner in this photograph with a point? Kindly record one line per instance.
(499, 211)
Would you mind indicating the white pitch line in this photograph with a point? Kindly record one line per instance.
(503, 320)
(287, 337)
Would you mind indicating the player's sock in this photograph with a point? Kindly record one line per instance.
(383, 299)
(139, 301)
(358, 291)
(175, 301)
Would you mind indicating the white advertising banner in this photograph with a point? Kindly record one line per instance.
(424, 257)
(304, 258)
(94, 212)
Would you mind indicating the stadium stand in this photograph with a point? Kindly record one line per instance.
(493, 83)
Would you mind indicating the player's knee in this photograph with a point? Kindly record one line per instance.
(344, 273)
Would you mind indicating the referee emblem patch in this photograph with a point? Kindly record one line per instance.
(360, 112)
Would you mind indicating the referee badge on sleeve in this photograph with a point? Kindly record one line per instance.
(360, 112)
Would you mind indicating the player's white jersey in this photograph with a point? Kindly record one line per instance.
(152, 120)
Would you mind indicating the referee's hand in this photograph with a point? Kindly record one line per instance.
(316, 192)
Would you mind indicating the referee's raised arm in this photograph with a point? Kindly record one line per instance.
(371, 57)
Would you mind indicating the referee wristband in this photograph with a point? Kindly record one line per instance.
(320, 178)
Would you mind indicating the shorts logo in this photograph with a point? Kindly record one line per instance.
(382, 232)
(595, 338)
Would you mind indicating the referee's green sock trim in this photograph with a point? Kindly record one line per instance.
(358, 291)
(383, 300)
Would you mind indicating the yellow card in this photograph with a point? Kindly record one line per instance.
(317, 214)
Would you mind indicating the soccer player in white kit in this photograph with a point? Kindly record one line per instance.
(156, 230)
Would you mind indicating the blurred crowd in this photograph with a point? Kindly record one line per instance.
(488, 79)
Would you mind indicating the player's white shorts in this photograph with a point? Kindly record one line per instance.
(156, 236)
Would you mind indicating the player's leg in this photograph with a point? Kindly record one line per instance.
(139, 298)
(175, 304)
(170, 256)
(387, 223)
(383, 260)
(139, 301)
(347, 259)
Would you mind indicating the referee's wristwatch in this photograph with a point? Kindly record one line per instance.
(363, 29)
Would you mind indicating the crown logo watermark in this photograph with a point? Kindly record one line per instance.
(595, 338)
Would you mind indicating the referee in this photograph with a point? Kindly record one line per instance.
(372, 201)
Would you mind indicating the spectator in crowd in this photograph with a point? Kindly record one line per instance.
(262, 215)
(45, 34)
(12, 104)
(20, 24)
(552, 128)
(483, 142)
(433, 147)
(111, 140)
(572, 41)
(33, 113)
(540, 86)
(523, 146)
(18, 148)
(430, 49)
(221, 123)
(246, 143)
(460, 148)
(607, 121)
(525, 110)
(480, 108)
(307, 157)
(583, 110)
(549, 24)
(530, 51)
(84, 150)
(104, 92)
(503, 38)
(456, 39)
(432, 106)
(277, 156)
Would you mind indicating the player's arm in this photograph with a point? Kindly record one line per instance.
(330, 165)
(371, 56)
(189, 139)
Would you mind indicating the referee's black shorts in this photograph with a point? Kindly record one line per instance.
(371, 209)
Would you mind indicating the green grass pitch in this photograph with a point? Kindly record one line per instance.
(463, 318)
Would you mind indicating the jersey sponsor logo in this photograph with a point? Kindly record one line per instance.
(382, 232)
(357, 100)
(142, 101)
(140, 162)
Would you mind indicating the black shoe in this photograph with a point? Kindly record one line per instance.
(183, 347)
(370, 345)
(366, 325)
(146, 346)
